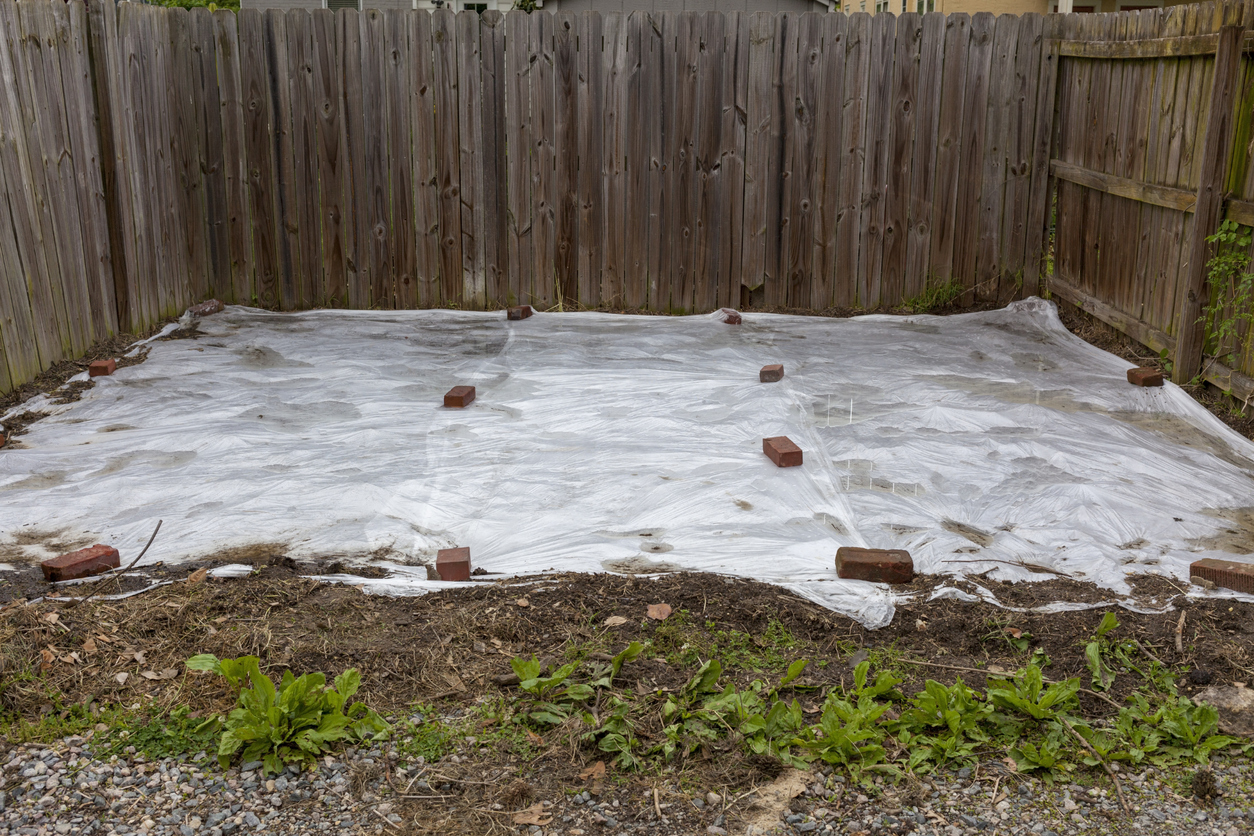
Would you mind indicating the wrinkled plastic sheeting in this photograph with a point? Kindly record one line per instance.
(633, 444)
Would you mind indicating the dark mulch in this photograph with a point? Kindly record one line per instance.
(406, 648)
(445, 650)
(54, 380)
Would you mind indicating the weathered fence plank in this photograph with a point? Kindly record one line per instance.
(402, 229)
(923, 166)
(667, 161)
(518, 174)
(234, 155)
(757, 192)
(830, 163)
(426, 174)
(566, 153)
(259, 152)
(328, 103)
(614, 157)
(543, 220)
(448, 154)
(211, 160)
(909, 45)
(470, 134)
(707, 234)
(492, 87)
(300, 76)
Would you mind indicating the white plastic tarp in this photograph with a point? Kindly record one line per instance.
(633, 443)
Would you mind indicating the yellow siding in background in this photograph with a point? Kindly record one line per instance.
(997, 7)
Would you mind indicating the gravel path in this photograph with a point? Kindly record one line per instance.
(63, 789)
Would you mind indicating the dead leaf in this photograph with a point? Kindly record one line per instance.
(532, 815)
(1010, 762)
(658, 612)
(996, 669)
(535, 738)
(48, 656)
(52, 618)
(496, 643)
(197, 576)
(454, 681)
(1013, 632)
(615, 621)
(597, 770)
(597, 773)
(121, 678)
(168, 673)
(523, 602)
(89, 646)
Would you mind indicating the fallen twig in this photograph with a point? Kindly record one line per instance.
(1146, 651)
(1022, 564)
(1113, 777)
(657, 805)
(82, 601)
(1180, 633)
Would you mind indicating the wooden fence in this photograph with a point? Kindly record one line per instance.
(677, 162)
(1153, 151)
(152, 157)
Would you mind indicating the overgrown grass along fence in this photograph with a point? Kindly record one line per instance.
(151, 157)
(676, 162)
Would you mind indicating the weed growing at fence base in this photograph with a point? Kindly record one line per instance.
(935, 296)
(1229, 313)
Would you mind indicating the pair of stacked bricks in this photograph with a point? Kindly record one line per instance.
(779, 449)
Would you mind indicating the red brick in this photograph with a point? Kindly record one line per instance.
(875, 565)
(729, 315)
(81, 564)
(453, 564)
(782, 451)
(209, 306)
(100, 368)
(459, 396)
(520, 312)
(771, 374)
(1145, 376)
(1229, 574)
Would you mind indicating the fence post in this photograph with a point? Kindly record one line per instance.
(1191, 294)
(106, 76)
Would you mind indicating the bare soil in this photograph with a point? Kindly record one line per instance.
(54, 380)
(447, 650)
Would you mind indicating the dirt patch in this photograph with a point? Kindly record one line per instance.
(30, 545)
(981, 538)
(445, 650)
(1237, 538)
(406, 646)
(54, 379)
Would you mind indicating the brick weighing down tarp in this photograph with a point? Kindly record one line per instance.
(599, 442)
